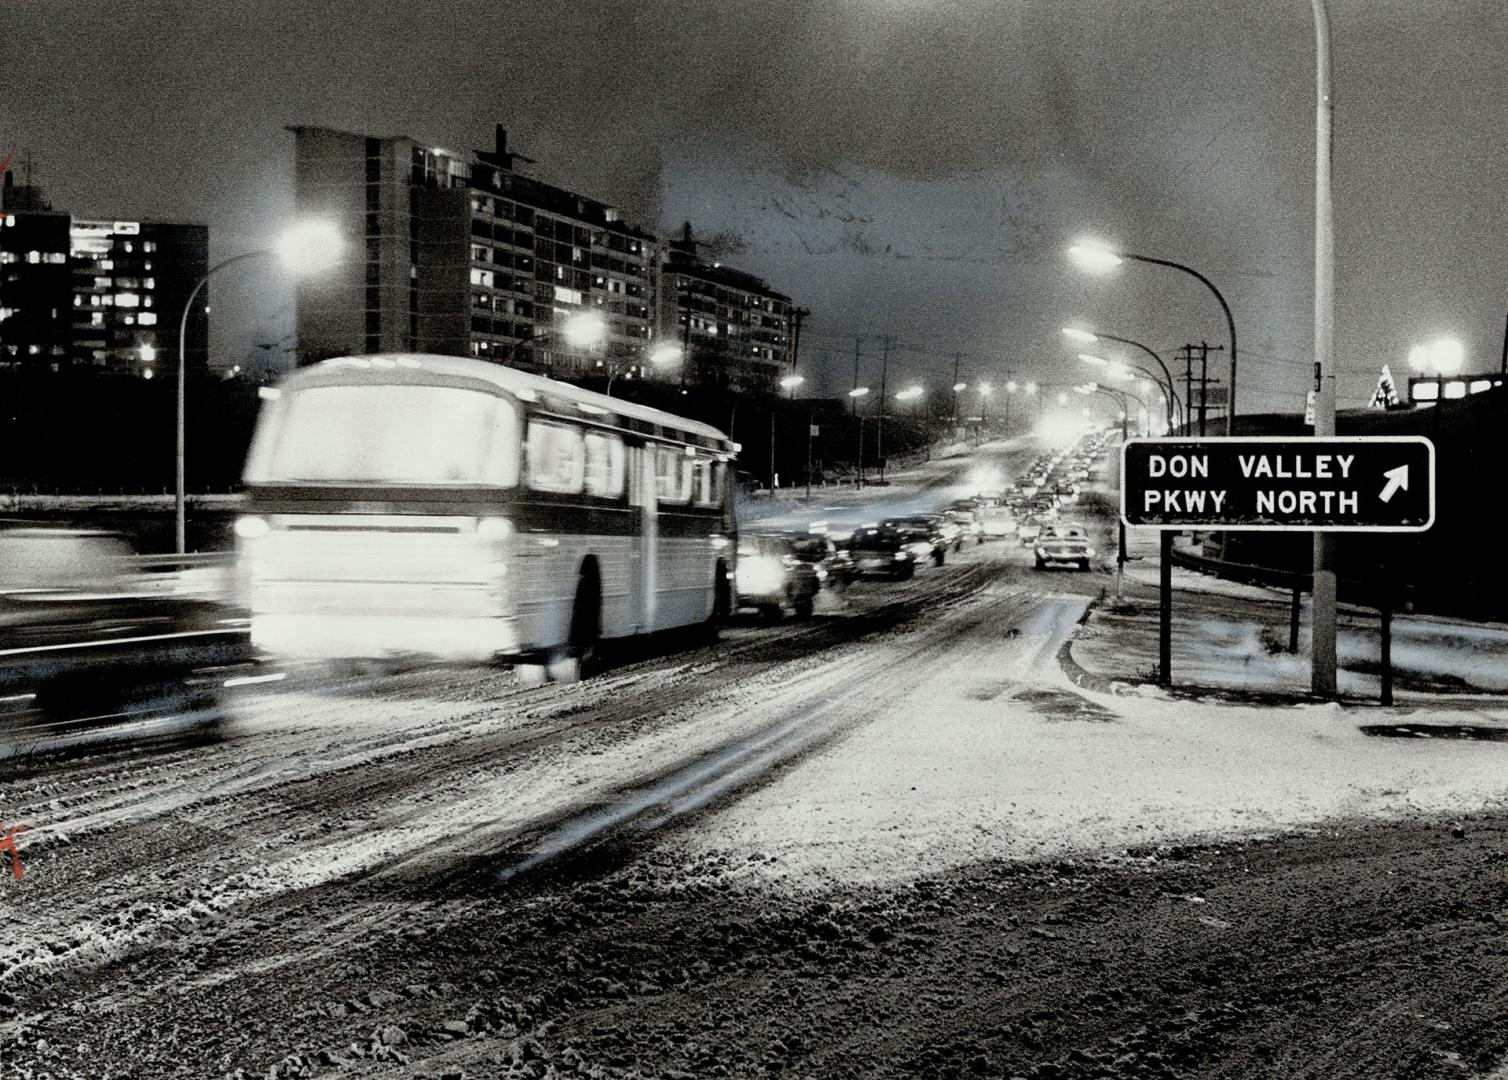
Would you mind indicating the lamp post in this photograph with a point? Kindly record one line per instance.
(1099, 257)
(659, 357)
(1121, 369)
(854, 395)
(1089, 337)
(305, 248)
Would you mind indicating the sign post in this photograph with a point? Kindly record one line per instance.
(1371, 484)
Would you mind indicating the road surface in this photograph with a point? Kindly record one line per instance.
(797, 852)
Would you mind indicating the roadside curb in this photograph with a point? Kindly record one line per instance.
(1102, 683)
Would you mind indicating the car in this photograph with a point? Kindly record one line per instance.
(965, 513)
(834, 565)
(770, 576)
(927, 535)
(92, 633)
(1063, 545)
(881, 552)
(996, 520)
(1027, 531)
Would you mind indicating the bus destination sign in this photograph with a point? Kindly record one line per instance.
(1339, 484)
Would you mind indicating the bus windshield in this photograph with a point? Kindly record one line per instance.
(390, 434)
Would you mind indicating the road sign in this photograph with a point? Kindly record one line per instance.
(1356, 484)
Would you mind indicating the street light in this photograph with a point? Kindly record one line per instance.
(790, 382)
(658, 357)
(308, 247)
(1098, 257)
(1088, 337)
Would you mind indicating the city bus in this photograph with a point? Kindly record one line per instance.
(451, 509)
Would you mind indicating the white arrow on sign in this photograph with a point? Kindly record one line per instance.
(1397, 478)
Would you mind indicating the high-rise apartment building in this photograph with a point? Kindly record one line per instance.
(104, 295)
(465, 257)
(470, 256)
(734, 330)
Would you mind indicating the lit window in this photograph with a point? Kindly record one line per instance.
(149, 245)
(127, 299)
(482, 278)
(130, 320)
(150, 283)
(7, 256)
(10, 219)
(147, 318)
(33, 257)
(97, 319)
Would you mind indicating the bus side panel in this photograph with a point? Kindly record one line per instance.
(553, 546)
(686, 561)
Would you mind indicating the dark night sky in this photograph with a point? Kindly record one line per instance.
(902, 167)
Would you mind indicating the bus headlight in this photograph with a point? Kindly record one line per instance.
(494, 528)
(249, 527)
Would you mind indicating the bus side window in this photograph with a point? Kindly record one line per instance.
(672, 474)
(704, 488)
(556, 457)
(604, 465)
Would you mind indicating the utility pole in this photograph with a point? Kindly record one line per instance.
(797, 314)
(853, 401)
(1322, 664)
(884, 373)
(957, 360)
(1187, 353)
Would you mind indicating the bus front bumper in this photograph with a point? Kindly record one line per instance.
(370, 636)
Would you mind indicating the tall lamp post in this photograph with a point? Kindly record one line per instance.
(1099, 257)
(305, 248)
(1088, 337)
(854, 395)
(788, 384)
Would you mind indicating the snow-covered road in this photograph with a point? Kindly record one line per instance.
(190, 909)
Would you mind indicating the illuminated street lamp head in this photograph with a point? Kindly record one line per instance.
(310, 247)
(665, 354)
(1010, 387)
(911, 393)
(790, 382)
(986, 389)
(1062, 398)
(858, 391)
(1083, 337)
(1119, 370)
(148, 353)
(584, 329)
(1087, 388)
(1031, 388)
(1094, 256)
(1090, 358)
(960, 387)
(1446, 356)
(1419, 358)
